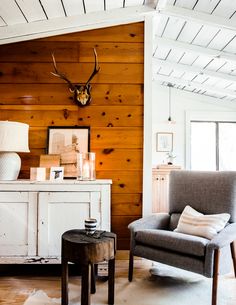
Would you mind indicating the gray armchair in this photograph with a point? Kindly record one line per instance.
(153, 238)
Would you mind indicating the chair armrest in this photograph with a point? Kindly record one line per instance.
(224, 237)
(155, 221)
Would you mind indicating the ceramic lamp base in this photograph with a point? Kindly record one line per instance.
(10, 164)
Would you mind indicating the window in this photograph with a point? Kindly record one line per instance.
(213, 145)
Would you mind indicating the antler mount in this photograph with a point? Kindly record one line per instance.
(81, 92)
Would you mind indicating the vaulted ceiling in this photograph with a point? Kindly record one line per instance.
(194, 41)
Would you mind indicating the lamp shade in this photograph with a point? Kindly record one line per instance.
(14, 137)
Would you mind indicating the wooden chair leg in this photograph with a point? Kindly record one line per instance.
(233, 254)
(215, 276)
(131, 266)
(111, 281)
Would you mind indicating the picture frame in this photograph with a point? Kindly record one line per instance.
(67, 141)
(164, 142)
(56, 173)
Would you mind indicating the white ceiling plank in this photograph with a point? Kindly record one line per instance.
(32, 10)
(190, 30)
(213, 94)
(225, 8)
(221, 39)
(194, 49)
(162, 52)
(231, 46)
(160, 24)
(175, 55)
(73, 7)
(200, 78)
(216, 64)
(186, 4)
(228, 68)
(173, 28)
(111, 4)
(188, 76)
(193, 69)
(133, 3)
(196, 85)
(165, 71)
(11, 13)
(202, 61)
(188, 58)
(206, 6)
(64, 25)
(205, 36)
(232, 87)
(211, 81)
(163, 3)
(202, 18)
(223, 84)
(94, 6)
(151, 3)
(2, 23)
(176, 73)
(53, 8)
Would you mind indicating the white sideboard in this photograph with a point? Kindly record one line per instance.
(33, 215)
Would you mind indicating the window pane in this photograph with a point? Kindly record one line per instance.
(203, 146)
(227, 146)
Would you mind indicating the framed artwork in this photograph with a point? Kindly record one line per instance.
(56, 173)
(164, 141)
(67, 142)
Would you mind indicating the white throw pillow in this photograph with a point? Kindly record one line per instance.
(195, 223)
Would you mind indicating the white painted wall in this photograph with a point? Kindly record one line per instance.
(181, 103)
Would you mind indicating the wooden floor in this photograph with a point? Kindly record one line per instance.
(14, 290)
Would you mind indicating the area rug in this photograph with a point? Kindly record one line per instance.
(169, 286)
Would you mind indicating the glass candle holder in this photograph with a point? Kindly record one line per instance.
(86, 166)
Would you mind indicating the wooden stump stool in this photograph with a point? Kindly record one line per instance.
(85, 250)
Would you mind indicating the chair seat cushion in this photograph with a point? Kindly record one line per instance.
(177, 242)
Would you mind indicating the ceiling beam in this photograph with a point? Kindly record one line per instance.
(198, 86)
(186, 68)
(70, 24)
(202, 18)
(198, 96)
(194, 49)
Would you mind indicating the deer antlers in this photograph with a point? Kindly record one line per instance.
(82, 95)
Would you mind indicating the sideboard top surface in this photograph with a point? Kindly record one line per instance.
(60, 186)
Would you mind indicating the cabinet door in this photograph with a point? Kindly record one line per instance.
(62, 211)
(18, 223)
(160, 186)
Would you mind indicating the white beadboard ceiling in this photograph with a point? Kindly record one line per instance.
(194, 40)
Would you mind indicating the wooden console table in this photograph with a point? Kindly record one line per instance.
(34, 215)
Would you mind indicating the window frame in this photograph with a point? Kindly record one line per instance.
(199, 116)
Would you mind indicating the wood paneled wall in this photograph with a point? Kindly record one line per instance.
(29, 93)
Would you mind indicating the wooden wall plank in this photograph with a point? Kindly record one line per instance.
(101, 138)
(58, 94)
(31, 94)
(123, 181)
(104, 116)
(123, 33)
(131, 137)
(110, 73)
(126, 204)
(73, 52)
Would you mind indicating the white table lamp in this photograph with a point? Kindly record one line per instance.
(13, 139)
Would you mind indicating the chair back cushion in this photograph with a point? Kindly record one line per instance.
(207, 192)
(174, 220)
